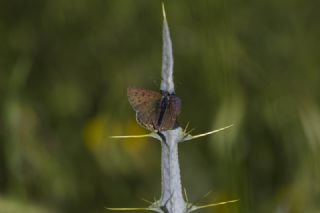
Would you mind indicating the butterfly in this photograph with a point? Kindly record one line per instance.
(155, 111)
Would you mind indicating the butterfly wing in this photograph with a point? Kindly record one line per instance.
(148, 118)
(139, 97)
(145, 103)
(172, 111)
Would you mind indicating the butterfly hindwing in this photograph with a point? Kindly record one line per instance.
(172, 111)
(139, 97)
(147, 116)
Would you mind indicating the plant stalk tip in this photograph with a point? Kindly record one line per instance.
(164, 12)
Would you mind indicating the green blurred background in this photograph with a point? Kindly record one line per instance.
(64, 70)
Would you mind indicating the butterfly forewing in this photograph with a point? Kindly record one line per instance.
(138, 96)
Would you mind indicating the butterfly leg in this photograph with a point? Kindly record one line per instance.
(163, 138)
(164, 208)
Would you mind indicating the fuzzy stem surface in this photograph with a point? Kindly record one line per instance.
(171, 197)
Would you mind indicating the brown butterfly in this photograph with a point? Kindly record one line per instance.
(155, 111)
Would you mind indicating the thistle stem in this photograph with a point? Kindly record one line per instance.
(171, 193)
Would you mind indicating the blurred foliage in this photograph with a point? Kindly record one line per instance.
(64, 70)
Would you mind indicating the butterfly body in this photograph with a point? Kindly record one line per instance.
(155, 111)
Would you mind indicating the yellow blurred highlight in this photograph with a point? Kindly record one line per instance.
(97, 131)
(134, 145)
(11, 205)
(94, 132)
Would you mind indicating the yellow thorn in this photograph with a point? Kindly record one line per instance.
(216, 204)
(128, 209)
(186, 195)
(132, 136)
(186, 128)
(147, 201)
(201, 198)
(187, 133)
(207, 133)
